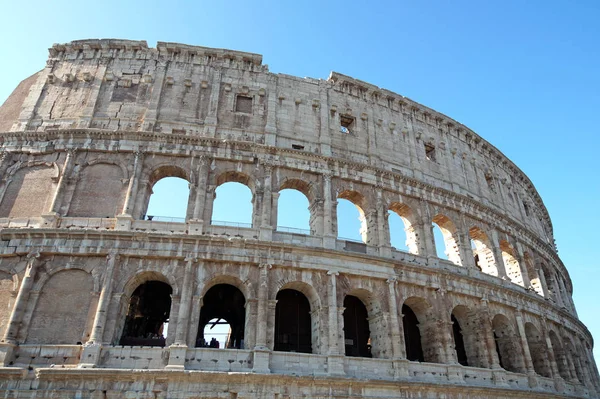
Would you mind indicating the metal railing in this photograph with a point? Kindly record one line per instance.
(155, 218)
(231, 224)
(293, 230)
(351, 240)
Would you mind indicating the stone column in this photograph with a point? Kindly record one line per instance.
(519, 254)
(67, 167)
(185, 304)
(5, 158)
(466, 252)
(14, 322)
(383, 228)
(329, 215)
(498, 255)
(261, 351)
(396, 333)
(196, 224)
(266, 229)
(130, 197)
(335, 359)
(271, 310)
(524, 343)
(490, 342)
(210, 122)
(177, 351)
(90, 356)
(551, 358)
(271, 124)
(103, 303)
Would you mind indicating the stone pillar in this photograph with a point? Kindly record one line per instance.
(185, 304)
(396, 333)
(329, 214)
(60, 188)
(524, 343)
(202, 172)
(5, 159)
(92, 349)
(498, 255)
(490, 341)
(383, 228)
(210, 122)
(152, 110)
(466, 252)
(130, 197)
(551, 358)
(261, 351)
(262, 310)
(520, 255)
(266, 228)
(16, 317)
(335, 360)
(177, 350)
(271, 310)
(271, 124)
(211, 195)
(106, 293)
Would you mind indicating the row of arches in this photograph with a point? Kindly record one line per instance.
(465, 335)
(296, 206)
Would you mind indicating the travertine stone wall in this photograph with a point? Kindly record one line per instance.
(107, 119)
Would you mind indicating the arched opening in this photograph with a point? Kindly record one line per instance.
(293, 325)
(552, 285)
(513, 269)
(398, 233)
(468, 339)
(459, 343)
(168, 200)
(351, 220)
(401, 217)
(538, 350)
(147, 320)
(216, 334)
(509, 351)
(357, 336)
(482, 251)
(222, 317)
(233, 205)
(573, 357)
(559, 356)
(446, 242)
(534, 276)
(293, 214)
(412, 335)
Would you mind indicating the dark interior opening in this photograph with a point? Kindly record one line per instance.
(148, 315)
(292, 322)
(412, 335)
(459, 343)
(500, 361)
(357, 335)
(226, 304)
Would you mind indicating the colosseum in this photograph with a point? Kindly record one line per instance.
(88, 281)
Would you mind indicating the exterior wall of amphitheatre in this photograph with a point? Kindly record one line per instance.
(83, 142)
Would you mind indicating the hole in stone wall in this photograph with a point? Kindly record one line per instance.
(412, 335)
(292, 322)
(357, 336)
(346, 124)
(222, 318)
(147, 319)
(243, 104)
(293, 214)
(168, 200)
(232, 205)
(430, 152)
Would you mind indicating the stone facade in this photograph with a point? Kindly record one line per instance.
(83, 143)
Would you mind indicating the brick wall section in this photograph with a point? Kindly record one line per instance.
(64, 321)
(99, 192)
(29, 192)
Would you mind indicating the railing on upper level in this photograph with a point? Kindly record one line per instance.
(156, 218)
(231, 224)
(293, 230)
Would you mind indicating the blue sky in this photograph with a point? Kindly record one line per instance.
(523, 74)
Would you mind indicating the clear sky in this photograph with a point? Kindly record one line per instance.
(523, 74)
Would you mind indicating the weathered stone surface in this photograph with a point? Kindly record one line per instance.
(106, 119)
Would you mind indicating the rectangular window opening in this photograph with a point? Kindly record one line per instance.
(430, 152)
(346, 124)
(243, 104)
(297, 147)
